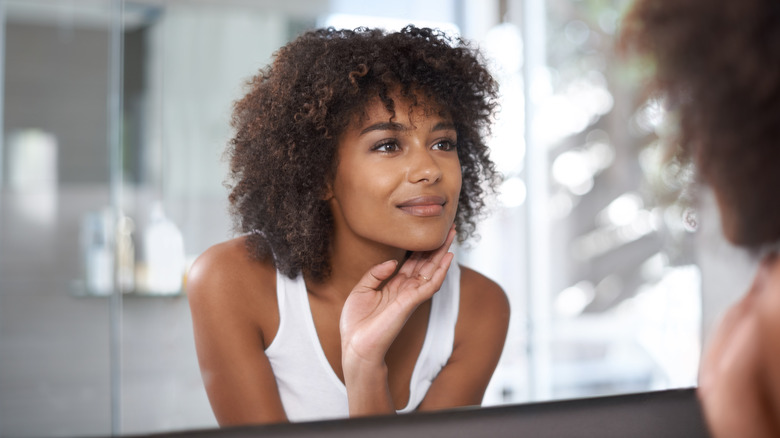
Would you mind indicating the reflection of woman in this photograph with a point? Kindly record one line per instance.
(357, 156)
(719, 63)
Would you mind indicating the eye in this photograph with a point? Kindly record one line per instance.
(386, 146)
(444, 145)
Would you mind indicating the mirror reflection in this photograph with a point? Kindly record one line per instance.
(115, 118)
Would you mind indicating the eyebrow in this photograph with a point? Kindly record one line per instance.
(395, 126)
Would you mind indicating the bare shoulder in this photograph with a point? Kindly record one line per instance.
(768, 281)
(226, 279)
(769, 298)
(228, 266)
(484, 306)
(768, 316)
(480, 294)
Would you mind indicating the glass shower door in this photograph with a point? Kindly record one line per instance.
(56, 231)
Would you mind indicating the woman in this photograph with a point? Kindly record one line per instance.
(358, 157)
(718, 64)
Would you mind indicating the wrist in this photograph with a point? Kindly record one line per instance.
(368, 392)
(358, 366)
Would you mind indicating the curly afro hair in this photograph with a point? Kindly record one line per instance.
(284, 152)
(718, 63)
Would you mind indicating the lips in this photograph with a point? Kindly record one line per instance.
(423, 206)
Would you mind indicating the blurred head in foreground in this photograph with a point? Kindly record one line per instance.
(717, 64)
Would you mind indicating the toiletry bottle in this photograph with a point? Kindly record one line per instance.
(164, 254)
(125, 254)
(97, 253)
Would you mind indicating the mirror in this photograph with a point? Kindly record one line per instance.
(114, 118)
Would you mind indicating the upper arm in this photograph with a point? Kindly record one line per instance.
(769, 330)
(483, 320)
(229, 297)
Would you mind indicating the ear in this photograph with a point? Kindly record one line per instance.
(327, 194)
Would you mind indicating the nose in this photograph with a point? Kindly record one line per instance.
(423, 167)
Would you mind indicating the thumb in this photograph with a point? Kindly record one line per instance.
(375, 276)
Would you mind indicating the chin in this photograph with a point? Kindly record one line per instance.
(422, 248)
(429, 241)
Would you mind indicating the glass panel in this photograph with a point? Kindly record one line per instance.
(626, 291)
(55, 243)
(608, 299)
(185, 64)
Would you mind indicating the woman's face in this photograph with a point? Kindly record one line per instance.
(398, 181)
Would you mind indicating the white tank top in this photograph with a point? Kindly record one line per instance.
(310, 389)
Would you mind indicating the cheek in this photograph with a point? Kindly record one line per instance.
(457, 178)
(363, 186)
(454, 187)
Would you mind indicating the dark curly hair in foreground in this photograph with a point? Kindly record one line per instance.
(718, 62)
(284, 152)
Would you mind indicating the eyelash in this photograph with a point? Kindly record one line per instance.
(451, 145)
(379, 147)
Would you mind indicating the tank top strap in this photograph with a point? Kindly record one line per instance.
(282, 285)
(439, 338)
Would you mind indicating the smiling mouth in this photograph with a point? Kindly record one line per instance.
(424, 206)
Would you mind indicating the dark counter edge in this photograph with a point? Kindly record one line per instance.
(666, 413)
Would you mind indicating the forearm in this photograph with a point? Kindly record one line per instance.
(372, 318)
(368, 392)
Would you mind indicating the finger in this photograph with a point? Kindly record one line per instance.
(429, 271)
(375, 276)
(445, 247)
(413, 291)
(412, 265)
(430, 262)
(415, 262)
(437, 276)
(424, 276)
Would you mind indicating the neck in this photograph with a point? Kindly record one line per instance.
(766, 266)
(349, 263)
(767, 252)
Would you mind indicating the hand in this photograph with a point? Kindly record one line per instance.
(372, 317)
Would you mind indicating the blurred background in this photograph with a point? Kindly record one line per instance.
(114, 116)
